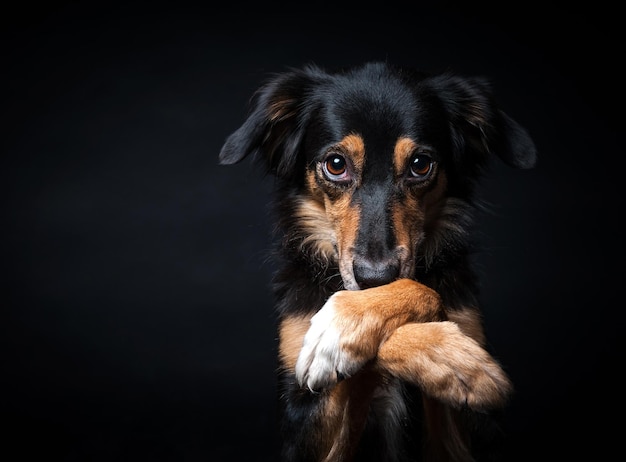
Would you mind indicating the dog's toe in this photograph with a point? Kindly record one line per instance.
(322, 371)
(318, 361)
(328, 353)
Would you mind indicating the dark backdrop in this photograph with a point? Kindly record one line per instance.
(137, 321)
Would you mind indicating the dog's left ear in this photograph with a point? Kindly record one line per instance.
(480, 125)
(273, 130)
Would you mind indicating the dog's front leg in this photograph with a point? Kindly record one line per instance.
(446, 364)
(326, 425)
(348, 330)
(402, 327)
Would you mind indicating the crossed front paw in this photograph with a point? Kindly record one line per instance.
(335, 347)
(446, 364)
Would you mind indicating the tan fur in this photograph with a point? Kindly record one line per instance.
(402, 325)
(345, 414)
(317, 232)
(291, 332)
(368, 317)
(345, 216)
(330, 224)
(404, 149)
(353, 146)
(408, 219)
(447, 364)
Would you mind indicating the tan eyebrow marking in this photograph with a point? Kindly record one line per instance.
(404, 148)
(354, 146)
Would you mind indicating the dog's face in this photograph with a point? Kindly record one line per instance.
(368, 194)
(378, 165)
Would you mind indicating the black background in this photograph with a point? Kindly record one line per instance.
(137, 321)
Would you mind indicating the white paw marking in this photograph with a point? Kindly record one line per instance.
(320, 357)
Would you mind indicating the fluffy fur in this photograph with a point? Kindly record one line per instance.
(382, 352)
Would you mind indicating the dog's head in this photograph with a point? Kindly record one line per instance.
(377, 163)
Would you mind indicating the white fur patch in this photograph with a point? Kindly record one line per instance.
(320, 357)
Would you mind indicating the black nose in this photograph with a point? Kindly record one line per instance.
(369, 273)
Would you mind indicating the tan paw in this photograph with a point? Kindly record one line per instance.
(446, 364)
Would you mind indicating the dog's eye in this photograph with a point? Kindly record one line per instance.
(421, 166)
(335, 167)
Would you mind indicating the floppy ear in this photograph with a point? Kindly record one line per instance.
(274, 128)
(478, 124)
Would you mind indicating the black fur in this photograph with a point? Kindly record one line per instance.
(294, 117)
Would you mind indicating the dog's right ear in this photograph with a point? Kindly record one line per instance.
(273, 130)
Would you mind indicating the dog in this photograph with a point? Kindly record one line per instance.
(381, 349)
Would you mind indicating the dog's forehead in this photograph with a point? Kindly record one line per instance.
(370, 106)
(381, 108)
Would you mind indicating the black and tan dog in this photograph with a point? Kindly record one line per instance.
(382, 350)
